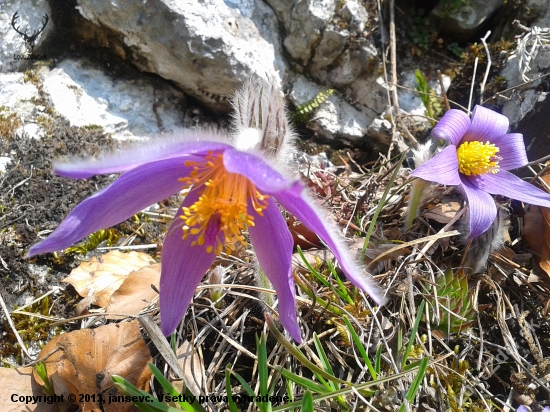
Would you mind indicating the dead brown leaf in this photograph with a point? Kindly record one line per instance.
(443, 212)
(102, 276)
(87, 359)
(302, 235)
(192, 367)
(136, 292)
(18, 384)
(532, 228)
(537, 230)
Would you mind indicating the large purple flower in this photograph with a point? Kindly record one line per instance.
(231, 191)
(477, 160)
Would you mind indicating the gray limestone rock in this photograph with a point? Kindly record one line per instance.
(464, 22)
(126, 108)
(207, 48)
(335, 118)
(18, 47)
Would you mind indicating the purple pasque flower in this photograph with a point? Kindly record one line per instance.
(524, 409)
(477, 160)
(233, 185)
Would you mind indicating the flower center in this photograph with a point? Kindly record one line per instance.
(222, 204)
(476, 158)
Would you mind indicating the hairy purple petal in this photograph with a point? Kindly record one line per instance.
(131, 192)
(134, 156)
(183, 267)
(487, 126)
(303, 208)
(261, 174)
(442, 168)
(512, 151)
(273, 245)
(452, 127)
(482, 208)
(506, 184)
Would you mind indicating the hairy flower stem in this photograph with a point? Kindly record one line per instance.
(419, 189)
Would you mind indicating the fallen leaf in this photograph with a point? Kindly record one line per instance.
(193, 368)
(538, 230)
(302, 235)
(104, 275)
(532, 227)
(136, 292)
(18, 384)
(443, 212)
(87, 359)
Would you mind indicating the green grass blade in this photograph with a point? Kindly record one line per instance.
(263, 373)
(378, 359)
(382, 203)
(343, 292)
(303, 382)
(360, 348)
(231, 403)
(244, 384)
(170, 390)
(415, 385)
(347, 390)
(324, 360)
(307, 402)
(299, 355)
(327, 305)
(413, 334)
(147, 403)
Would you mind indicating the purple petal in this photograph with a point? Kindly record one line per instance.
(273, 245)
(132, 157)
(261, 174)
(512, 151)
(442, 168)
(524, 409)
(131, 192)
(487, 126)
(482, 208)
(506, 184)
(452, 127)
(304, 209)
(183, 267)
(546, 409)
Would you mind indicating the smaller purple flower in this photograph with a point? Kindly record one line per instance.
(477, 159)
(524, 409)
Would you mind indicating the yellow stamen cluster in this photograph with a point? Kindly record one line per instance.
(476, 158)
(222, 204)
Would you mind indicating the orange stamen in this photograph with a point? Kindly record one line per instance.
(222, 204)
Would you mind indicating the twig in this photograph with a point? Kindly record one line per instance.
(472, 87)
(482, 87)
(12, 326)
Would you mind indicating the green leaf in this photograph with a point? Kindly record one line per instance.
(324, 360)
(148, 403)
(303, 382)
(170, 390)
(232, 405)
(415, 385)
(413, 334)
(382, 203)
(360, 348)
(263, 373)
(307, 402)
